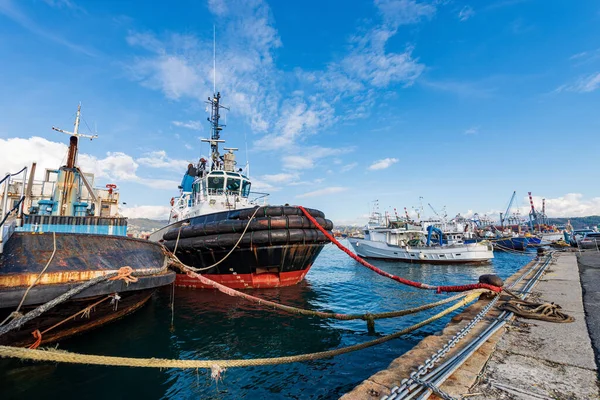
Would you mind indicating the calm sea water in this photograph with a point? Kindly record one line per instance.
(210, 325)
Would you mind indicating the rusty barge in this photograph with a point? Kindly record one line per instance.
(57, 234)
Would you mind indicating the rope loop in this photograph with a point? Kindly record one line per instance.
(126, 274)
(38, 339)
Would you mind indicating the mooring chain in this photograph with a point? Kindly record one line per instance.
(441, 353)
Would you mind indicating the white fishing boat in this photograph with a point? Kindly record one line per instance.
(401, 241)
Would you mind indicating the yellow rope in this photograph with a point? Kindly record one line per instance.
(74, 358)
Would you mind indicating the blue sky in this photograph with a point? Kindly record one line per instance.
(338, 102)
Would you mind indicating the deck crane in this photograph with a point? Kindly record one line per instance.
(504, 217)
(433, 209)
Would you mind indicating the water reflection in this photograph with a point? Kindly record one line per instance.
(210, 325)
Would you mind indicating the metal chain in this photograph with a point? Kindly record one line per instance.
(405, 384)
(434, 389)
(441, 353)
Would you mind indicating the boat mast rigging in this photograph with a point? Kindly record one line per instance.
(214, 111)
(71, 158)
(504, 217)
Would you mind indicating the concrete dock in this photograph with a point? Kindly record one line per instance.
(527, 359)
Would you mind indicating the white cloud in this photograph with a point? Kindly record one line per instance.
(259, 185)
(584, 84)
(323, 192)
(472, 131)
(218, 7)
(151, 212)
(401, 12)
(348, 167)
(585, 57)
(159, 159)
(252, 84)
(309, 156)
(569, 205)
(298, 118)
(383, 164)
(466, 13)
(15, 153)
(63, 4)
(177, 64)
(195, 125)
(279, 178)
(297, 162)
(9, 9)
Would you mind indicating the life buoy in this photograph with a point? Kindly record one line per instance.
(172, 201)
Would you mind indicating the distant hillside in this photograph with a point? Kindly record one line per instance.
(577, 222)
(145, 224)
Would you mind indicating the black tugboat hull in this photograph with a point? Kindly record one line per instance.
(277, 249)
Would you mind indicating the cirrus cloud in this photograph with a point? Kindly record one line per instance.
(323, 192)
(383, 164)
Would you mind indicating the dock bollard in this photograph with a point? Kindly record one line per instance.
(491, 279)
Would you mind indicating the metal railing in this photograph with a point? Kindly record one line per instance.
(6, 180)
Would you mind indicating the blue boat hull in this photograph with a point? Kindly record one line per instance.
(519, 244)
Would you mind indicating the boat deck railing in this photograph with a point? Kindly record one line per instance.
(6, 229)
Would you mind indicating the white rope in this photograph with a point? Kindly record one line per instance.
(227, 255)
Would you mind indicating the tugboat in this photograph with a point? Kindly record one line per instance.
(58, 234)
(229, 234)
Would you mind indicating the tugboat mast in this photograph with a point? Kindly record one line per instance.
(216, 128)
(215, 106)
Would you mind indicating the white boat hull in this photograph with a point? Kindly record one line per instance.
(462, 253)
(552, 237)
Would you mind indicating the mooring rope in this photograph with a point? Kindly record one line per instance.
(420, 285)
(339, 316)
(55, 355)
(21, 320)
(85, 311)
(16, 313)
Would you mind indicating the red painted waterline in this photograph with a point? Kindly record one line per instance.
(245, 281)
(439, 289)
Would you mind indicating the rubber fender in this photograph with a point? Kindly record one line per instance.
(277, 211)
(260, 238)
(237, 226)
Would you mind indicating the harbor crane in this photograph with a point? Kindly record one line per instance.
(504, 217)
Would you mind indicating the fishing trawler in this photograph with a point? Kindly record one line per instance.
(60, 233)
(406, 241)
(220, 227)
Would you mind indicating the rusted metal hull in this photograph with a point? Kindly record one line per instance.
(99, 315)
(69, 261)
(78, 258)
(253, 267)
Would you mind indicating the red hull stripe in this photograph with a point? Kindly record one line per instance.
(245, 281)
